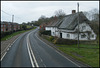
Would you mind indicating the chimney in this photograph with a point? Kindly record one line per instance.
(73, 11)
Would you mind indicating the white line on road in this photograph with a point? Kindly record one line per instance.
(59, 52)
(9, 46)
(6, 49)
(3, 56)
(44, 42)
(31, 52)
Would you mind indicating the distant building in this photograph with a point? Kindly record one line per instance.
(3, 27)
(9, 26)
(68, 26)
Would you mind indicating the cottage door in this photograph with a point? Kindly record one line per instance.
(60, 35)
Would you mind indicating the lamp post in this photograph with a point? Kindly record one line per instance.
(78, 23)
(12, 22)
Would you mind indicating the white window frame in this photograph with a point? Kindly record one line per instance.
(83, 27)
(92, 35)
(68, 35)
(82, 36)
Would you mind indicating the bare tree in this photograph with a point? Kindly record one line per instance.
(42, 17)
(92, 14)
(60, 13)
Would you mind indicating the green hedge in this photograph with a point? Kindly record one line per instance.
(65, 41)
(5, 33)
(44, 32)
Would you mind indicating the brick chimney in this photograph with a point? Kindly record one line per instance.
(73, 11)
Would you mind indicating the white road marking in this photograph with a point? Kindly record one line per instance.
(68, 59)
(7, 49)
(9, 46)
(3, 56)
(31, 52)
(44, 42)
(59, 53)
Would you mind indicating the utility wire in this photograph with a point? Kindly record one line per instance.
(11, 15)
(6, 12)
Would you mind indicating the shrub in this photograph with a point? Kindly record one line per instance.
(65, 41)
(51, 38)
(5, 33)
(45, 32)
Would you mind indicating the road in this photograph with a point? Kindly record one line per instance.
(29, 51)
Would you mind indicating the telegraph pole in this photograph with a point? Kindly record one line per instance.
(12, 22)
(78, 23)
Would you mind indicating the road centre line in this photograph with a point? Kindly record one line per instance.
(59, 53)
(31, 52)
(33, 55)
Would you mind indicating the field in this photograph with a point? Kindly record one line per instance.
(29, 26)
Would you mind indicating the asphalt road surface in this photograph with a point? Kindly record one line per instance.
(29, 51)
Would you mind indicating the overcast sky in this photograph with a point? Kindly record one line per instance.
(25, 11)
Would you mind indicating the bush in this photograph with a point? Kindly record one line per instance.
(65, 41)
(51, 38)
(5, 33)
(44, 32)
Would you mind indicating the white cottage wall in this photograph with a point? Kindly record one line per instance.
(47, 28)
(83, 27)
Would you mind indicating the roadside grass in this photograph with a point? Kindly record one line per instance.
(14, 34)
(87, 54)
(29, 26)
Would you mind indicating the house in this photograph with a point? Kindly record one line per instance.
(42, 26)
(3, 27)
(68, 26)
(9, 26)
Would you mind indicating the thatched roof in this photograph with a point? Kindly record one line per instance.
(71, 21)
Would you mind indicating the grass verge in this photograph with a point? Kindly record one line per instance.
(14, 34)
(87, 54)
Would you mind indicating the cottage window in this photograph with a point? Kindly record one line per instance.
(83, 36)
(92, 36)
(53, 33)
(83, 27)
(68, 35)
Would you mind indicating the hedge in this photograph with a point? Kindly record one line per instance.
(65, 41)
(44, 32)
